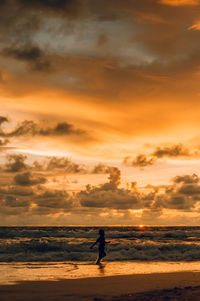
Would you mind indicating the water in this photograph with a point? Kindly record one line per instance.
(61, 244)
(51, 253)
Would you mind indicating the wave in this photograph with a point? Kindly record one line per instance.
(56, 244)
(36, 250)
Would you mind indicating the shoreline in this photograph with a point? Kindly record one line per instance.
(14, 272)
(99, 287)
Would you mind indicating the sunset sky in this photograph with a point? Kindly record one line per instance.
(99, 112)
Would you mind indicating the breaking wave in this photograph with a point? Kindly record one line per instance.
(54, 244)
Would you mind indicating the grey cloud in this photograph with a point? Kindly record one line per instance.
(31, 54)
(100, 169)
(31, 128)
(28, 179)
(64, 164)
(71, 8)
(174, 151)
(15, 163)
(183, 194)
(109, 73)
(108, 195)
(3, 119)
(11, 201)
(190, 189)
(139, 161)
(53, 200)
(105, 169)
(174, 201)
(187, 179)
(115, 175)
(178, 196)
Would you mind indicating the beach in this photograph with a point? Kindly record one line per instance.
(178, 286)
(51, 263)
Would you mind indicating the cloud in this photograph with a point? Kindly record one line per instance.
(195, 26)
(4, 142)
(183, 194)
(186, 179)
(174, 151)
(115, 175)
(64, 164)
(28, 196)
(70, 8)
(11, 201)
(15, 163)
(100, 169)
(54, 199)
(31, 128)
(28, 179)
(139, 161)
(180, 2)
(31, 54)
(3, 119)
(108, 195)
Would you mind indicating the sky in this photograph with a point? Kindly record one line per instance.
(99, 112)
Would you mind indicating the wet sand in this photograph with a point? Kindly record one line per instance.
(165, 286)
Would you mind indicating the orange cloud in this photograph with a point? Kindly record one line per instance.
(180, 2)
(195, 26)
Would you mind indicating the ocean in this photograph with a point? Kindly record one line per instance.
(56, 244)
(58, 252)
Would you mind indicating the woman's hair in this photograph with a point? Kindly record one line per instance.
(101, 232)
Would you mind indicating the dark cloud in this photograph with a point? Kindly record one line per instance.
(186, 179)
(71, 8)
(11, 201)
(64, 164)
(31, 128)
(31, 54)
(139, 161)
(105, 169)
(108, 195)
(15, 163)
(100, 169)
(54, 199)
(3, 119)
(17, 191)
(28, 179)
(160, 33)
(27, 53)
(28, 195)
(183, 194)
(115, 175)
(173, 151)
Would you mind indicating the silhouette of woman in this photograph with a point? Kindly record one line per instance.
(101, 241)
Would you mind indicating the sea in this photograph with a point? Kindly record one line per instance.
(52, 253)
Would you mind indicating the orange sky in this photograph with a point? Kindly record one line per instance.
(95, 96)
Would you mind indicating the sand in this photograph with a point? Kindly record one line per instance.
(164, 286)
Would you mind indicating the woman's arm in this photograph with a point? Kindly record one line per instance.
(94, 243)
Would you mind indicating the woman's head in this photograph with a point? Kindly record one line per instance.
(101, 232)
